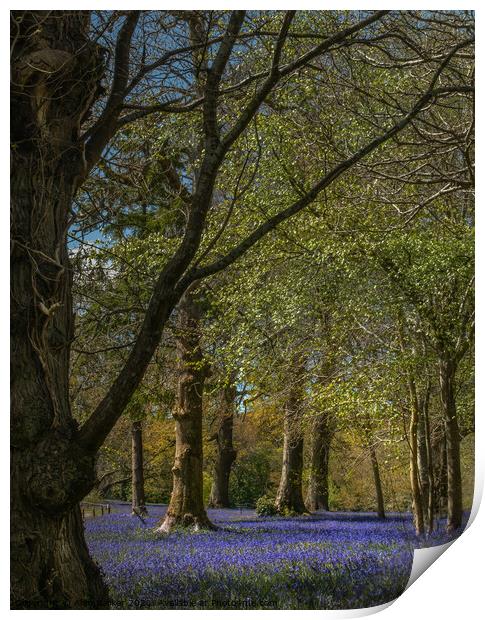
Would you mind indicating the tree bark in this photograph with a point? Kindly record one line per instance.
(375, 469)
(317, 493)
(413, 461)
(290, 496)
(440, 472)
(137, 472)
(55, 74)
(425, 464)
(50, 563)
(452, 433)
(377, 482)
(225, 452)
(186, 508)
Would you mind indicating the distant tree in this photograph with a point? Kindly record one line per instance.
(225, 451)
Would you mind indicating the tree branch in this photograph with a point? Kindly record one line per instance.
(107, 123)
(276, 73)
(214, 76)
(174, 278)
(296, 207)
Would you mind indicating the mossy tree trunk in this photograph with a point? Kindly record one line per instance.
(290, 495)
(186, 508)
(55, 73)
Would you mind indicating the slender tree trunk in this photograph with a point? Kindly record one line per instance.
(137, 474)
(186, 508)
(290, 496)
(425, 464)
(50, 564)
(422, 464)
(440, 472)
(413, 461)
(225, 453)
(375, 469)
(452, 432)
(317, 493)
(429, 453)
(377, 482)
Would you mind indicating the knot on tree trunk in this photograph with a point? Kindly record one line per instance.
(44, 63)
(61, 474)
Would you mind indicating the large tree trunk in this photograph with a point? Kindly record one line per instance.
(50, 563)
(55, 72)
(317, 493)
(137, 474)
(225, 452)
(452, 432)
(186, 508)
(290, 496)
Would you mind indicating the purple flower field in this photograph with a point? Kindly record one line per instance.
(323, 561)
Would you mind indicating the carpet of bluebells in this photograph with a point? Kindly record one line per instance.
(323, 561)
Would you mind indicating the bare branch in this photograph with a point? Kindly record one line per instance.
(106, 125)
(214, 76)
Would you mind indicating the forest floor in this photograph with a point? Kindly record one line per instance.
(336, 560)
